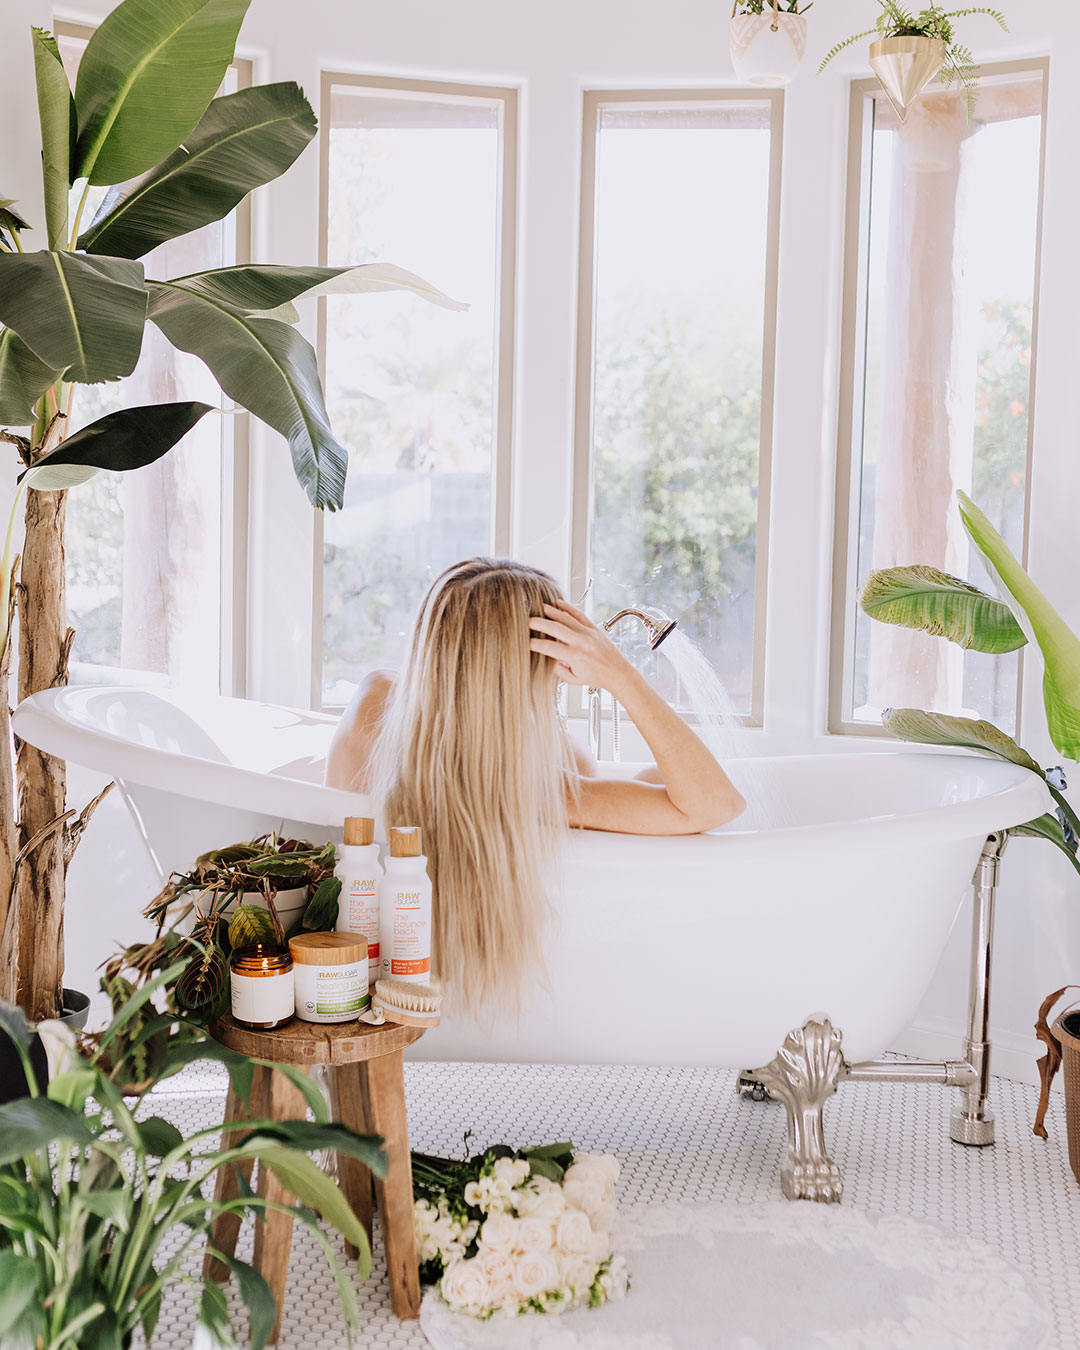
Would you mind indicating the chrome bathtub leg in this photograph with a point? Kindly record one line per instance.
(804, 1076)
(973, 1122)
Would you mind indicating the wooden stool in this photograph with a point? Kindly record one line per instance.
(367, 1093)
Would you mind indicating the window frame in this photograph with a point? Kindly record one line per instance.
(504, 98)
(594, 102)
(236, 466)
(852, 385)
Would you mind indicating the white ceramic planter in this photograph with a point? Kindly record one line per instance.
(289, 904)
(763, 56)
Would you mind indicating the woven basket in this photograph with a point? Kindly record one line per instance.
(1067, 1030)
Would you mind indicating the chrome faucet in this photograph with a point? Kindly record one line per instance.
(656, 623)
(658, 626)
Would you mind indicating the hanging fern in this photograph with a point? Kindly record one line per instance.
(959, 70)
(765, 6)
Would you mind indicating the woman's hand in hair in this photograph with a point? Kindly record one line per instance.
(582, 652)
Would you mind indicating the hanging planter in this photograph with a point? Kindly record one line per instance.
(913, 48)
(767, 40)
(905, 66)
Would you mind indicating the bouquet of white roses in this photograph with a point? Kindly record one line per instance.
(510, 1232)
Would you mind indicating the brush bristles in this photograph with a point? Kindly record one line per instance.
(416, 1004)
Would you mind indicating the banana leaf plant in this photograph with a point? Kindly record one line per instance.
(146, 122)
(933, 602)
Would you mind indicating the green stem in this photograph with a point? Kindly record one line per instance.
(67, 1335)
(78, 217)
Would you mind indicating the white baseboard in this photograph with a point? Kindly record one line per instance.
(1012, 1056)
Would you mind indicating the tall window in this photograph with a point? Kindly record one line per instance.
(939, 376)
(149, 552)
(676, 338)
(420, 175)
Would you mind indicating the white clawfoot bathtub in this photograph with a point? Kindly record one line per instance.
(701, 950)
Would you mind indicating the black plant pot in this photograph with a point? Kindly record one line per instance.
(12, 1078)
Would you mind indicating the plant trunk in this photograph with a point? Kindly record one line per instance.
(8, 832)
(44, 647)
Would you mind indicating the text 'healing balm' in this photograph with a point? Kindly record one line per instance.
(405, 910)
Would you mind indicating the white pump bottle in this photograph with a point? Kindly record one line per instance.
(359, 871)
(405, 910)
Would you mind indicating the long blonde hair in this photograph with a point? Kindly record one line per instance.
(472, 749)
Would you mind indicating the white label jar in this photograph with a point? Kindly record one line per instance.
(261, 980)
(331, 975)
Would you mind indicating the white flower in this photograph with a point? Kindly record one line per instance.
(498, 1266)
(499, 1232)
(574, 1232)
(535, 1273)
(584, 1194)
(603, 1219)
(545, 1201)
(605, 1165)
(511, 1172)
(533, 1235)
(58, 1040)
(578, 1274)
(464, 1285)
(615, 1281)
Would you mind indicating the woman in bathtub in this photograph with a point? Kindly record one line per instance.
(468, 744)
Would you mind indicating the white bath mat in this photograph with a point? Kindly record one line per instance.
(780, 1276)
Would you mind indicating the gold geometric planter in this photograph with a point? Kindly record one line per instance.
(905, 66)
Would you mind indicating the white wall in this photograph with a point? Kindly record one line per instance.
(552, 52)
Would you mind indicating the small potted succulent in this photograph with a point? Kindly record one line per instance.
(767, 40)
(912, 47)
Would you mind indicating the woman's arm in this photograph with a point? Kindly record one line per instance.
(354, 736)
(695, 793)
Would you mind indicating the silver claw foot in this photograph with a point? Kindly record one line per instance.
(803, 1076)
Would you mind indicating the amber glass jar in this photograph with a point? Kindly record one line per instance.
(261, 977)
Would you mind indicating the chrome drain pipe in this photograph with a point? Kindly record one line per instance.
(810, 1064)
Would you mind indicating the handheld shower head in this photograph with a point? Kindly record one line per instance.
(656, 623)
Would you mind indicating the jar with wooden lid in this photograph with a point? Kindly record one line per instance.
(331, 974)
(261, 980)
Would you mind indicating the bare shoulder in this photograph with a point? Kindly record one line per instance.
(354, 735)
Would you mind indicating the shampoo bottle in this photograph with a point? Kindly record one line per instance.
(405, 910)
(359, 872)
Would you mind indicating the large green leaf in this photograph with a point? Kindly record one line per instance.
(1058, 644)
(929, 728)
(258, 1299)
(56, 111)
(313, 1188)
(130, 438)
(1048, 827)
(259, 288)
(83, 316)
(146, 77)
(244, 140)
(309, 1135)
(18, 1287)
(23, 380)
(943, 606)
(268, 368)
(32, 1123)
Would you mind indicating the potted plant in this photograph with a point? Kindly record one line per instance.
(103, 1200)
(144, 121)
(767, 40)
(911, 47)
(263, 891)
(924, 598)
